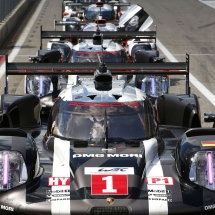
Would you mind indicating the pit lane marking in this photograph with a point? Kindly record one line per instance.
(206, 93)
(210, 3)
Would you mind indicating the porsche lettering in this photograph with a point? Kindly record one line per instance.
(112, 104)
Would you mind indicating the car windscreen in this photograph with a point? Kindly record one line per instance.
(93, 56)
(63, 48)
(85, 121)
(102, 27)
(93, 12)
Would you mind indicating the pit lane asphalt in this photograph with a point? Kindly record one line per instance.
(182, 26)
(187, 27)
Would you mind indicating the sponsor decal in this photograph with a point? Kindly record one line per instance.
(160, 195)
(7, 208)
(160, 199)
(208, 143)
(60, 178)
(57, 195)
(49, 192)
(58, 199)
(159, 191)
(107, 155)
(109, 184)
(209, 207)
(58, 181)
(160, 181)
(109, 170)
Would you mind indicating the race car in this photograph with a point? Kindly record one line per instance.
(84, 51)
(133, 47)
(74, 18)
(135, 18)
(106, 148)
(108, 9)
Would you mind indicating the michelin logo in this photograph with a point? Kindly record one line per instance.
(108, 155)
(7, 208)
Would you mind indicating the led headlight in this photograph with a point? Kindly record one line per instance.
(39, 85)
(13, 171)
(133, 24)
(203, 168)
(155, 86)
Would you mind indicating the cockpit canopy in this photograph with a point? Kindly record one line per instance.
(93, 12)
(93, 56)
(102, 27)
(86, 121)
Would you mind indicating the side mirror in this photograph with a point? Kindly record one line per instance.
(209, 117)
(143, 56)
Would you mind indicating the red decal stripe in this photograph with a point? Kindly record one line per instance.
(112, 104)
(208, 143)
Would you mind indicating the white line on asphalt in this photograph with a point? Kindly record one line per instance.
(195, 54)
(210, 96)
(24, 35)
(209, 3)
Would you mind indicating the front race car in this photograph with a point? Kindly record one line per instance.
(105, 151)
(122, 169)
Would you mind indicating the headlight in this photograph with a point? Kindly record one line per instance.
(133, 24)
(39, 85)
(155, 86)
(13, 171)
(203, 168)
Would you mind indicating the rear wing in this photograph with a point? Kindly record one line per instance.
(118, 4)
(89, 34)
(175, 68)
(84, 22)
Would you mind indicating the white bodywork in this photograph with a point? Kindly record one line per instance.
(49, 44)
(68, 12)
(86, 89)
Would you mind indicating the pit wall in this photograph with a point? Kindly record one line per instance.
(9, 23)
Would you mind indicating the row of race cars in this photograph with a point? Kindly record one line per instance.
(134, 47)
(114, 146)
